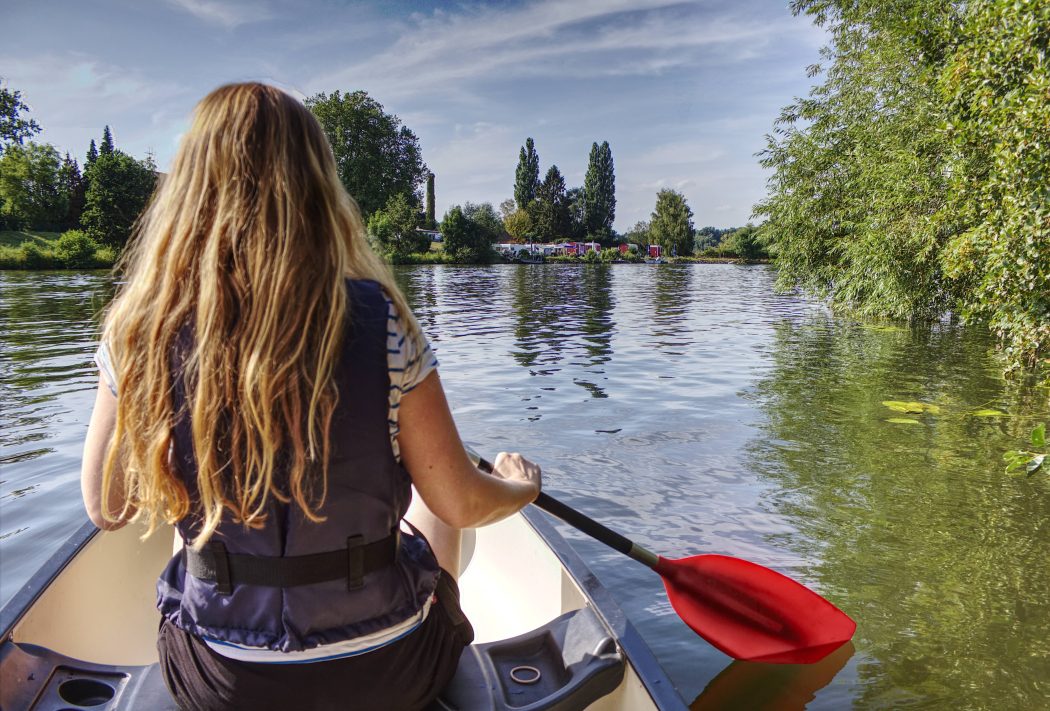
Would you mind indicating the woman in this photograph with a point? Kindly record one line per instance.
(266, 389)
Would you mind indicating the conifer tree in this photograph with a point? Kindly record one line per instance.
(71, 183)
(92, 155)
(527, 175)
(552, 211)
(106, 147)
(599, 193)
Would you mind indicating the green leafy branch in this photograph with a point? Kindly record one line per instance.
(1031, 461)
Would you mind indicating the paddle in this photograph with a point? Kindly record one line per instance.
(745, 610)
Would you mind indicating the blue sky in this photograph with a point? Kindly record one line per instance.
(683, 91)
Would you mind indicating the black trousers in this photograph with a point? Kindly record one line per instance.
(407, 674)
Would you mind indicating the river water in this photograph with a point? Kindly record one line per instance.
(697, 411)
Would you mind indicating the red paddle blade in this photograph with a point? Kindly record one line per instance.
(751, 612)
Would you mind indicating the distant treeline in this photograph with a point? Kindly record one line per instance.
(914, 180)
(43, 191)
(380, 163)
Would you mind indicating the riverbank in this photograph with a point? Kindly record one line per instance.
(35, 250)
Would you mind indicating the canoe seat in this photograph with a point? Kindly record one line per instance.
(565, 665)
(42, 680)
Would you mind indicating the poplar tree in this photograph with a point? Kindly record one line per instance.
(527, 175)
(599, 193)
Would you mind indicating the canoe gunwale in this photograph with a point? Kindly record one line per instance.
(23, 600)
(637, 651)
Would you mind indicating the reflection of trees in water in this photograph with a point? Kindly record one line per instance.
(47, 325)
(672, 297)
(563, 312)
(421, 291)
(940, 557)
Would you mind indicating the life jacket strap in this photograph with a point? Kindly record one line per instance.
(215, 564)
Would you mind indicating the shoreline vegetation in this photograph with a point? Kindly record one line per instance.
(73, 250)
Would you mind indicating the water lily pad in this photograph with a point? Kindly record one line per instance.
(911, 407)
(903, 421)
(988, 413)
(899, 406)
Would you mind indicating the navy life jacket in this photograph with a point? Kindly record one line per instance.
(368, 494)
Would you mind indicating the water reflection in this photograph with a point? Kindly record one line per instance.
(912, 528)
(564, 316)
(751, 686)
(47, 382)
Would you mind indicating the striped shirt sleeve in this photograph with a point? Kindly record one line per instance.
(104, 361)
(409, 361)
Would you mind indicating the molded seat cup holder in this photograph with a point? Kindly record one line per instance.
(85, 692)
(565, 665)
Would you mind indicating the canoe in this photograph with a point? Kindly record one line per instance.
(81, 634)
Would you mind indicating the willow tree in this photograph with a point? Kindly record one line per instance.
(912, 181)
(997, 88)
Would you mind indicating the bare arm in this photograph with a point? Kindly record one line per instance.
(100, 432)
(451, 486)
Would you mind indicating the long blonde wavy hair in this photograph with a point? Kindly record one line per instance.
(247, 243)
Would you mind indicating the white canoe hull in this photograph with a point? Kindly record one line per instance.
(97, 601)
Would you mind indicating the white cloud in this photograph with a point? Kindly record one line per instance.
(552, 38)
(226, 14)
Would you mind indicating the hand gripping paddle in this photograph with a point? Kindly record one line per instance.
(743, 609)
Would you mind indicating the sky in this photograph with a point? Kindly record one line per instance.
(683, 91)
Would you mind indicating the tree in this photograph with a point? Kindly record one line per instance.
(527, 175)
(912, 181)
(106, 147)
(485, 217)
(996, 87)
(31, 196)
(671, 225)
(599, 193)
(376, 155)
(638, 234)
(859, 167)
(465, 239)
(92, 155)
(576, 204)
(118, 188)
(71, 184)
(13, 128)
(518, 225)
(394, 228)
(552, 208)
(745, 243)
(507, 208)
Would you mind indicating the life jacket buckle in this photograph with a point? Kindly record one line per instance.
(221, 561)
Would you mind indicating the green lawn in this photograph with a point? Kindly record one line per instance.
(15, 238)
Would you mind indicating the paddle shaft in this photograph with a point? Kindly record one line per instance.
(588, 525)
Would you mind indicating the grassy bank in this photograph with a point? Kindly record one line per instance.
(51, 250)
